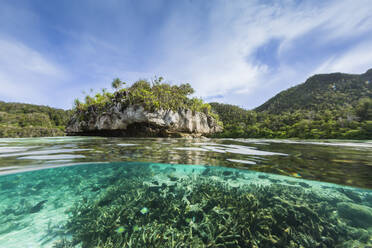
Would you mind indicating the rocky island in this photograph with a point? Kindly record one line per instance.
(144, 110)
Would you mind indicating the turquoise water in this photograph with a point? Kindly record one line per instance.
(102, 192)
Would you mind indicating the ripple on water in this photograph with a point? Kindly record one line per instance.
(191, 149)
(250, 151)
(366, 144)
(13, 149)
(52, 140)
(53, 157)
(218, 149)
(243, 150)
(42, 152)
(241, 161)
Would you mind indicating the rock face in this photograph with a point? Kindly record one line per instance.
(134, 120)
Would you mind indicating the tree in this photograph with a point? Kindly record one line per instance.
(117, 83)
(157, 80)
(186, 89)
(140, 84)
(77, 103)
(364, 109)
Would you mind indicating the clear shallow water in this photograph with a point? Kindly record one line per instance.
(163, 205)
(340, 162)
(93, 191)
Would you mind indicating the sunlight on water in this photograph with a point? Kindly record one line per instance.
(52, 157)
(241, 161)
(48, 151)
(12, 149)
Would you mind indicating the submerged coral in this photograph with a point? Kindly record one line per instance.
(204, 210)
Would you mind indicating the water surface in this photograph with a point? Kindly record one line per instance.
(341, 162)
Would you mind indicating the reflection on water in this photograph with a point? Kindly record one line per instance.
(163, 205)
(347, 163)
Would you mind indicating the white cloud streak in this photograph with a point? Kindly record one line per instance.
(25, 74)
(224, 63)
(351, 61)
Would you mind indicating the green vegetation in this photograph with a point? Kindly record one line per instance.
(329, 106)
(351, 123)
(27, 120)
(151, 95)
(323, 92)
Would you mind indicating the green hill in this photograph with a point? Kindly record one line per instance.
(325, 106)
(28, 120)
(335, 91)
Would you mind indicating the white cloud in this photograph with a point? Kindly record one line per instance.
(222, 62)
(357, 60)
(25, 74)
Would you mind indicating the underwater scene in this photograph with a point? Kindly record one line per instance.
(113, 192)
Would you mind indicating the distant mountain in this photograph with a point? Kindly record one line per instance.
(28, 120)
(327, 106)
(322, 92)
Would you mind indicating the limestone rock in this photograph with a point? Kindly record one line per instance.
(134, 120)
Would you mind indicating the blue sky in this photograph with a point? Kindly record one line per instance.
(237, 52)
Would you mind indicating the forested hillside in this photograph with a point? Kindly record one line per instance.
(336, 105)
(352, 123)
(335, 91)
(27, 120)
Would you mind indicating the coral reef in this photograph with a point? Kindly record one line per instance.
(358, 215)
(205, 210)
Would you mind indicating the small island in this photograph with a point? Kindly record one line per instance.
(145, 109)
(325, 106)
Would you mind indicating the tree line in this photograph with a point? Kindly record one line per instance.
(349, 123)
(28, 120)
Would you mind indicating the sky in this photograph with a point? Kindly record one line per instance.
(230, 51)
